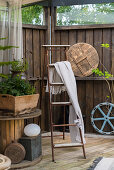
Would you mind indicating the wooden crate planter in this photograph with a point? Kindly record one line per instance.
(18, 104)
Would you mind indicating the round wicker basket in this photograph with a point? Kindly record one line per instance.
(83, 58)
(16, 152)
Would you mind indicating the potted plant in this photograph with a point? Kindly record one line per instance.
(18, 67)
(17, 96)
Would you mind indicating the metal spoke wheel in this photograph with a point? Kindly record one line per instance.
(102, 118)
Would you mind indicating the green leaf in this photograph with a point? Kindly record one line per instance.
(7, 63)
(4, 76)
(105, 45)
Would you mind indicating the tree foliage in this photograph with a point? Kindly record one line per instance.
(86, 14)
(72, 15)
(32, 15)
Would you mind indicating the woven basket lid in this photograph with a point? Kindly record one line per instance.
(83, 58)
(5, 162)
(16, 152)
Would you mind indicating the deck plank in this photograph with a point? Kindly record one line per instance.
(72, 158)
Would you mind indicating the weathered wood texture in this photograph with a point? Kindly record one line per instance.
(33, 39)
(83, 58)
(90, 92)
(72, 158)
(10, 130)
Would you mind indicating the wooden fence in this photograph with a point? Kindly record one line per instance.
(91, 91)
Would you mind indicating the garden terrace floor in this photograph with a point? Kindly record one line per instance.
(72, 158)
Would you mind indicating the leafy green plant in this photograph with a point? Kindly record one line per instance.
(3, 48)
(16, 86)
(105, 75)
(19, 66)
(16, 65)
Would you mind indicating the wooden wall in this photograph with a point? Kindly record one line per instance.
(33, 39)
(90, 92)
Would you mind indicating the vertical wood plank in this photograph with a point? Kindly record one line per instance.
(36, 57)
(18, 126)
(112, 56)
(29, 51)
(42, 42)
(3, 136)
(72, 37)
(53, 20)
(89, 90)
(16, 135)
(98, 85)
(22, 127)
(47, 22)
(37, 61)
(57, 42)
(24, 43)
(106, 60)
(11, 125)
(0, 136)
(81, 85)
(107, 64)
(30, 60)
(7, 132)
(64, 41)
(81, 36)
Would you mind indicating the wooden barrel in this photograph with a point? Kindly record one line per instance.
(10, 130)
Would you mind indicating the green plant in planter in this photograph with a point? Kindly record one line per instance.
(19, 66)
(16, 86)
(13, 84)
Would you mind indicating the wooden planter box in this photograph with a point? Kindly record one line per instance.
(18, 104)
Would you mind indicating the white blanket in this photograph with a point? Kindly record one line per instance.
(66, 74)
(105, 164)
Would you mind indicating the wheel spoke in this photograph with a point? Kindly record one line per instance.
(104, 123)
(108, 114)
(101, 112)
(111, 118)
(99, 118)
(110, 124)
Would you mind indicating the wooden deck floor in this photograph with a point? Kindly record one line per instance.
(72, 158)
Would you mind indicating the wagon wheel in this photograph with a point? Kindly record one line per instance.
(102, 118)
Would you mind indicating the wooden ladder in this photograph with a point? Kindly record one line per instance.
(52, 125)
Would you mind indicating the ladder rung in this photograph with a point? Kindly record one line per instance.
(63, 145)
(61, 103)
(56, 84)
(64, 125)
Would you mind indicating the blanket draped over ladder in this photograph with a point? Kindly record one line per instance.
(62, 73)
